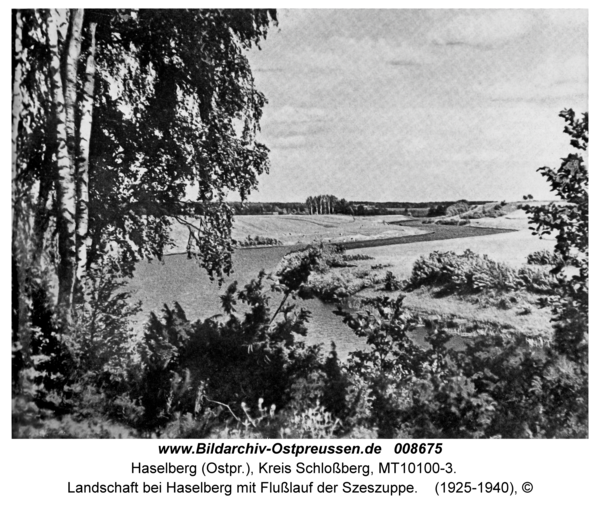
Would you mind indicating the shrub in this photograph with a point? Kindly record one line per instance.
(391, 283)
(460, 207)
(355, 257)
(453, 221)
(191, 367)
(543, 257)
(321, 280)
(336, 286)
(496, 386)
(258, 240)
(380, 266)
(470, 272)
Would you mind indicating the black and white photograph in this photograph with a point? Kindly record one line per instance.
(299, 223)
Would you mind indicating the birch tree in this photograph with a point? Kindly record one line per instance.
(116, 114)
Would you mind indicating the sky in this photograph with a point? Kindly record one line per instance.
(418, 105)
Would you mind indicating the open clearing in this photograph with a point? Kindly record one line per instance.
(307, 229)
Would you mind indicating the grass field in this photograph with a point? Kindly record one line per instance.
(307, 229)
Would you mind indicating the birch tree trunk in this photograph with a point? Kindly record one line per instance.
(83, 160)
(17, 99)
(65, 173)
(69, 71)
(20, 307)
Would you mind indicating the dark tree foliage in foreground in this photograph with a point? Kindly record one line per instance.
(115, 115)
(569, 221)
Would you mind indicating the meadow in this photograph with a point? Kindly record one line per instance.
(307, 229)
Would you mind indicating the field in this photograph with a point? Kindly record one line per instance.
(307, 229)
(509, 246)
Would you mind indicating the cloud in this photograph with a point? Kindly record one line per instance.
(274, 69)
(567, 17)
(290, 114)
(484, 29)
(348, 54)
(402, 63)
(288, 142)
(288, 127)
(553, 79)
(368, 50)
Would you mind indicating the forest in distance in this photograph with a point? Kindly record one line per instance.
(469, 318)
(330, 204)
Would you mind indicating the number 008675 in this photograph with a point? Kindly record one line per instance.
(416, 448)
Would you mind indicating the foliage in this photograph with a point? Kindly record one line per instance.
(336, 286)
(377, 267)
(257, 240)
(544, 257)
(569, 218)
(356, 256)
(325, 204)
(190, 366)
(323, 281)
(460, 207)
(469, 272)
(496, 386)
(115, 114)
(391, 283)
(452, 221)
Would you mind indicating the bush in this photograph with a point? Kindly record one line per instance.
(453, 221)
(497, 386)
(336, 286)
(355, 257)
(249, 358)
(460, 207)
(469, 272)
(376, 267)
(543, 257)
(322, 281)
(391, 283)
(257, 240)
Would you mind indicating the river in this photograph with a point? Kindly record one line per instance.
(181, 279)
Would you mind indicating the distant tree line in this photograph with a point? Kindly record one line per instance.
(330, 204)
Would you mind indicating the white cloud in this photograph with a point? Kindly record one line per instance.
(290, 114)
(347, 54)
(554, 78)
(288, 142)
(483, 28)
(567, 17)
